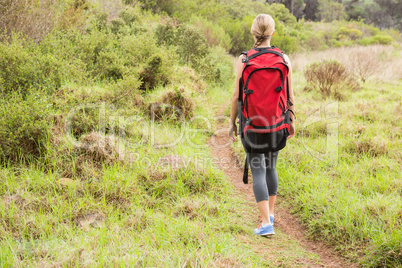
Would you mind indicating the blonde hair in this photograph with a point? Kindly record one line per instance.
(263, 27)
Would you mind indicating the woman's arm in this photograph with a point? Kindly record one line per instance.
(291, 98)
(235, 98)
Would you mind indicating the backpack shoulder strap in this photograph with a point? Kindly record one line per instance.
(244, 53)
(240, 80)
(268, 50)
(287, 92)
(245, 173)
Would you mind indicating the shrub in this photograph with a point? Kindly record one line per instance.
(151, 75)
(24, 127)
(126, 91)
(216, 66)
(192, 45)
(22, 65)
(157, 5)
(383, 39)
(329, 10)
(215, 35)
(74, 15)
(108, 65)
(84, 121)
(166, 32)
(16, 65)
(282, 39)
(330, 77)
(347, 33)
(174, 105)
(239, 32)
(364, 63)
(129, 15)
(280, 13)
(116, 24)
(376, 39)
(314, 41)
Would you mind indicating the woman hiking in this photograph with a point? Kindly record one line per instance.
(263, 161)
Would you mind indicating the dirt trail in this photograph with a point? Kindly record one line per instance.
(284, 221)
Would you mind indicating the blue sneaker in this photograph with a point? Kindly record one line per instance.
(271, 219)
(265, 231)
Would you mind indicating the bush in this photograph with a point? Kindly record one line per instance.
(16, 65)
(215, 35)
(382, 39)
(330, 77)
(314, 41)
(239, 31)
(176, 105)
(347, 33)
(151, 75)
(108, 66)
(280, 13)
(216, 66)
(364, 63)
(329, 10)
(376, 39)
(282, 39)
(192, 45)
(84, 121)
(166, 32)
(24, 127)
(22, 65)
(129, 15)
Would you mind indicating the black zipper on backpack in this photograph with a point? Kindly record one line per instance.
(282, 104)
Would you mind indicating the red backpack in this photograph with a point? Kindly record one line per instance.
(263, 101)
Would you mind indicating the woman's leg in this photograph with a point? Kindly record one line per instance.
(258, 170)
(271, 178)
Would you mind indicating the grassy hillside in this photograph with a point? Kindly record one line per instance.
(99, 98)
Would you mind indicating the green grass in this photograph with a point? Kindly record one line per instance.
(138, 214)
(348, 195)
(124, 210)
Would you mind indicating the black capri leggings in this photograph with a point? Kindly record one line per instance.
(265, 177)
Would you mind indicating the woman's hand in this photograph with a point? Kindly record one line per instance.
(292, 130)
(232, 129)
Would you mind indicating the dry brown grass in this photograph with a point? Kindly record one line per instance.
(84, 159)
(376, 61)
(32, 18)
(36, 19)
(176, 105)
(331, 78)
(371, 147)
(100, 148)
(196, 208)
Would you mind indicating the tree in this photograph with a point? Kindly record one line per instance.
(311, 10)
(329, 10)
(386, 13)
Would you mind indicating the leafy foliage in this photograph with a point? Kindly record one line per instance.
(329, 10)
(24, 127)
(215, 35)
(192, 45)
